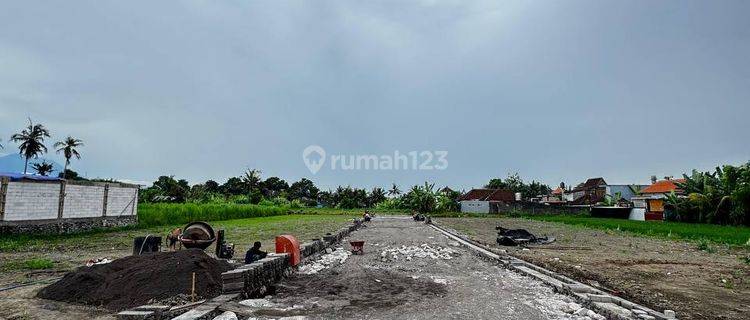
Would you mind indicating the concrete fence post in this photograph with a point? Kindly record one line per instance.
(104, 203)
(135, 201)
(61, 203)
(3, 193)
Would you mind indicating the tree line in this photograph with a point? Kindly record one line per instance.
(251, 188)
(31, 145)
(719, 197)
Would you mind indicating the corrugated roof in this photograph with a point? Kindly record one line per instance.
(663, 186)
(20, 176)
(489, 195)
(590, 184)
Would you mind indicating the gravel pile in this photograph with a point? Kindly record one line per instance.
(422, 251)
(334, 258)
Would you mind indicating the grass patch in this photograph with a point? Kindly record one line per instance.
(31, 264)
(673, 230)
(39, 264)
(704, 245)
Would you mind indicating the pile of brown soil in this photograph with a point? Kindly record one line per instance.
(136, 280)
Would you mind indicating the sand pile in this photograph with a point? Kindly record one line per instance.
(136, 280)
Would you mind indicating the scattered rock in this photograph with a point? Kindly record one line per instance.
(581, 312)
(228, 315)
(422, 251)
(257, 303)
(335, 257)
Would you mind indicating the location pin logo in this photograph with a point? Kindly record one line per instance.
(314, 157)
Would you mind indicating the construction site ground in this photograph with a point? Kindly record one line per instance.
(69, 252)
(411, 271)
(712, 283)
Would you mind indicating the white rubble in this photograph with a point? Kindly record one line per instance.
(257, 303)
(335, 257)
(422, 251)
(229, 315)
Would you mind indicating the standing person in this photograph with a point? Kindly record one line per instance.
(173, 237)
(254, 254)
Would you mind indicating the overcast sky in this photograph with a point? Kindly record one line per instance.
(555, 90)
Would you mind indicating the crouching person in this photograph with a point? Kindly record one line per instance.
(254, 254)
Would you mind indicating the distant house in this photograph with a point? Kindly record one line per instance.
(556, 197)
(590, 192)
(649, 203)
(485, 200)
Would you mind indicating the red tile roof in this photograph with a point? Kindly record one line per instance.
(489, 195)
(664, 186)
(558, 191)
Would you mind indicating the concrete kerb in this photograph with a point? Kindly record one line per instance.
(610, 306)
(245, 281)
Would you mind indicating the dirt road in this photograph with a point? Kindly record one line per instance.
(411, 271)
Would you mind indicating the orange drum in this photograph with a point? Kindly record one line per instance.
(289, 244)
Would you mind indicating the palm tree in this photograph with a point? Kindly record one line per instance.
(68, 148)
(32, 142)
(43, 168)
(252, 179)
(394, 191)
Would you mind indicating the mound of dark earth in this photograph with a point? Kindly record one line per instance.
(136, 280)
(361, 288)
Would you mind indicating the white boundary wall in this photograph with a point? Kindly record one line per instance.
(41, 200)
(474, 206)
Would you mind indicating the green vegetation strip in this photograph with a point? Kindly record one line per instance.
(691, 231)
(160, 214)
(163, 214)
(239, 231)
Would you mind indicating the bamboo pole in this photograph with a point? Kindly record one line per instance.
(192, 295)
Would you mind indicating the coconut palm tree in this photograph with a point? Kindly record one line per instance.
(394, 191)
(68, 148)
(251, 179)
(43, 168)
(32, 142)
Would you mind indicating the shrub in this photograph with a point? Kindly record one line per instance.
(280, 201)
(704, 245)
(296, 204)
(39, 264)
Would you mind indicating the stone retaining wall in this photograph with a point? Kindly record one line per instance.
(70, 225)
(252, 279)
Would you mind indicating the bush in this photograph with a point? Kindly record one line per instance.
(280, 202)
(158, 214)
(39, 264)
(296, 204)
